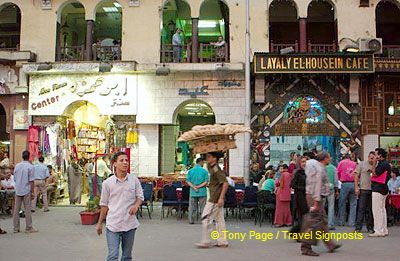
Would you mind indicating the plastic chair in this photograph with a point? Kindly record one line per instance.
(170, 199)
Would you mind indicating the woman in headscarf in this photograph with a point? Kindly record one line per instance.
(283, 215)
(74, 182)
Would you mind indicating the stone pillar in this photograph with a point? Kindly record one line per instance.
(89, 40)
(195, 39)
(303, 34)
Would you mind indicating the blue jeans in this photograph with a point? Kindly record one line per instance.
(347, 192)
(115, 239)
(331, 210)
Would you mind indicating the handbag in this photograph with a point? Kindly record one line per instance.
(381, 179)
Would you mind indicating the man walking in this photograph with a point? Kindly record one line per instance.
(197, 179)
(121, 198)
(345, 171)
(362, 184)
(317, 189)
(213, 211)
(40, 173)
(23, 176)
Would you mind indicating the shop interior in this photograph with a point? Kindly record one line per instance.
(77, 138)
(177, 156)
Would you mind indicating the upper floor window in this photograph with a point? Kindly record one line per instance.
(10, 26)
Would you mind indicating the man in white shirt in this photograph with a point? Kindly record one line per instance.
(102, 173)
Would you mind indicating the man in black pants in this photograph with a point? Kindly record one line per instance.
(362, 184)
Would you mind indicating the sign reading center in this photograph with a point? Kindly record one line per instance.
(316, 63)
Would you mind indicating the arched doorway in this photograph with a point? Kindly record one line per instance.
(10, 26)
(214, 28)
(321, 26)
(283, 25)
(176, 14)
(71, 32)
(176, 156)
(304, 128)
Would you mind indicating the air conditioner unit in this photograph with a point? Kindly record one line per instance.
(372, 45)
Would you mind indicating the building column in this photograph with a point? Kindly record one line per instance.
(303, 34)
(195, 39)
(89, 40)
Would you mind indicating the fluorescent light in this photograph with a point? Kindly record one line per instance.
(110, 9)
(207, 24)
(118, 5)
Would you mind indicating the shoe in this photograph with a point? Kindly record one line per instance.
(375, 235)
(46, 210)
(335, 247)
(309, 253)
(32, 230)
(203, 245)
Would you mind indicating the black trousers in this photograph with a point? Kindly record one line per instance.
(365, 210)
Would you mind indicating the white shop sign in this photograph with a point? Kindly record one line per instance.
(112, 94)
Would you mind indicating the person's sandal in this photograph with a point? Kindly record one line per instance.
(309, 253)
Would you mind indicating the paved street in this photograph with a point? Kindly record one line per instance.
(62, 237)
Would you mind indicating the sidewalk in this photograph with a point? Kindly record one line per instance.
(62, 237)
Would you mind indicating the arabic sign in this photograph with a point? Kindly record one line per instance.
(21, 120)
(315, 63)
(199, 91)
(112, 94)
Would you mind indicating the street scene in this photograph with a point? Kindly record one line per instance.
(237, 128)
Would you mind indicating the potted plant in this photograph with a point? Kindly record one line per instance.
(91, 214)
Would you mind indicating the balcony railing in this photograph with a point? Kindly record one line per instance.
(322, 48)
(70, 53)
(107, 53)
(391, 51)
(175, 54)
(276, 47)
(213, 54)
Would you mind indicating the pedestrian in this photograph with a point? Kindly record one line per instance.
(345, 171)
(381, 172)
(317, 189)
(74, 182)
(213, 211)
(298, 183)
(334, 194)
(283, 215)
(177, 46)
(293, 162)
(40, 173)
(121, 197)
(24, 192)
(362, 183)
(197, 179)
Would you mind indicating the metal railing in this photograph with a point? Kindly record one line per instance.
(106, 53)
(277, 47)
(175, 54)
(322, 48)
(209, 53)
(70, 53)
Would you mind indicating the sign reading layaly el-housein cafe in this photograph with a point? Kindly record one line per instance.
(313, 63)
(112, 94)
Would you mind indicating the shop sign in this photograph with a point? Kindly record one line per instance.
(313, 63)
(21, 120)
(199, 91)
(112, 94)
(305, 129)
(393, 124)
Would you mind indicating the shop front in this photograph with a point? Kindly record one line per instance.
(306, 103)
(82, 118)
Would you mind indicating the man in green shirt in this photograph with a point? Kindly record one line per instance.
(333, 184)
(214, 209)
(197, 179)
